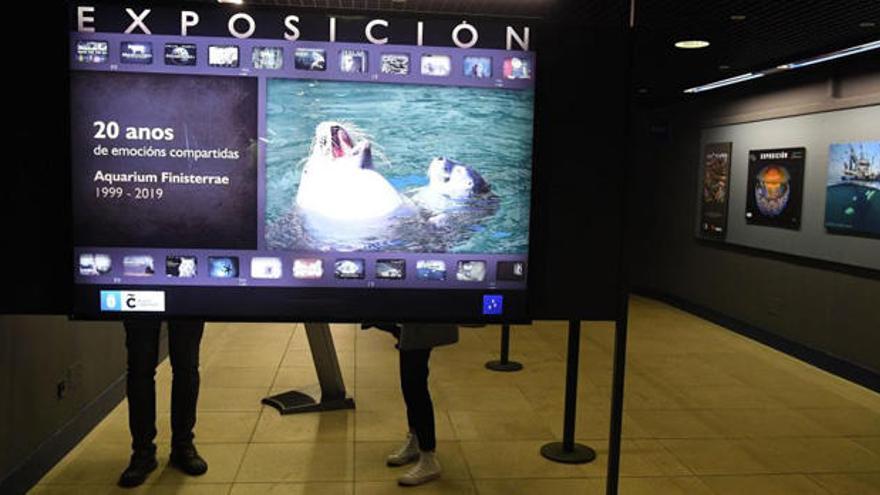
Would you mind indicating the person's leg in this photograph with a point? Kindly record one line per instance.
(420, 415)
(419, 407)
(184, 339)
(142, 345)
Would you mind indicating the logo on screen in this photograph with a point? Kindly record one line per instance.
(93, 265)
(180, 54)
(136, 52)
(223, 56)
(92, 52)
(493, 304)
(143, 301)
(310, 59)
(111, 300)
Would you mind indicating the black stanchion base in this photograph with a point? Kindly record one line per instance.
(505, 367)
(580, 454)
(294, 402)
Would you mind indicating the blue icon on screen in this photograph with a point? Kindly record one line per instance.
(111, 300)
(493, 304)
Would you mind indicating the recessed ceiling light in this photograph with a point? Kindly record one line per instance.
(723, 67)
(737, 17)
(867, 24)
(236, 2)
(691, 44)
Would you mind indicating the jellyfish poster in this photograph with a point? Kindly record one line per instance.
(775, 189)
(714, 194)
(852, 201)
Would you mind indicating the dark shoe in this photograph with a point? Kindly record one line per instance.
(140, 467)
(185, 458)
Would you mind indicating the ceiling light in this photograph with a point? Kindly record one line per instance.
(691, 44)
(854, 50)
(867, 24)
(236, 2)
(725, 82)
(737, 17)
(723, 67)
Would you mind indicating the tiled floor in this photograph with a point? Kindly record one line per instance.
(707, 411)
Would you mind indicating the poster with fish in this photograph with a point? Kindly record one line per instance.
(715, 190)
(852, 200)
(776, 186)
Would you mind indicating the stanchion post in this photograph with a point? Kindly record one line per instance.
(504, 364)
(617, 388)
(568, 451)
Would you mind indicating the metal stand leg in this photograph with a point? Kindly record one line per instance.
(504, 364)
(567, 451)
(613, 472)
(333, 395)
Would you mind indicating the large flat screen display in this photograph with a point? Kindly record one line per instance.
(272, 164)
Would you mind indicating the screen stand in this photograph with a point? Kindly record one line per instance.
(567, 451)
(504, 364)
(333, 395)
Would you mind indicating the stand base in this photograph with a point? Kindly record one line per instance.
(294, 402)
(504, 367)
(580, 454)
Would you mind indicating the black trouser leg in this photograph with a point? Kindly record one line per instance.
(419, 408)
(142, 344)
(184, 338)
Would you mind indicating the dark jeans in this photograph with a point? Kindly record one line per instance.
(142, 343)
(419, 408)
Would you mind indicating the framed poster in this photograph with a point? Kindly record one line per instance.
(852, 200)
(715, 190)
(776, 185)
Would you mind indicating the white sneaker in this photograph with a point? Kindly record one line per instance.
(407, 453)
(427, 469)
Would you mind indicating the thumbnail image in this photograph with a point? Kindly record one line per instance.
(271, 58)
(517, 68)
(353, 61)
(92, 265)
(471, 271)
(852, 202)
(92, 52)
(478, 67)
(181, 266)
(716, 185)
(776, 182)
(136, 52)
(223, 56)
(436, 65)
(395, 63)
(391, 269)
(180, 54)
(513, 271)
(138, 266)
(402, 177)
(266, 268)
(431, 270)
(308, 268)
(310, 59)
(223, 266)
(349, 268)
